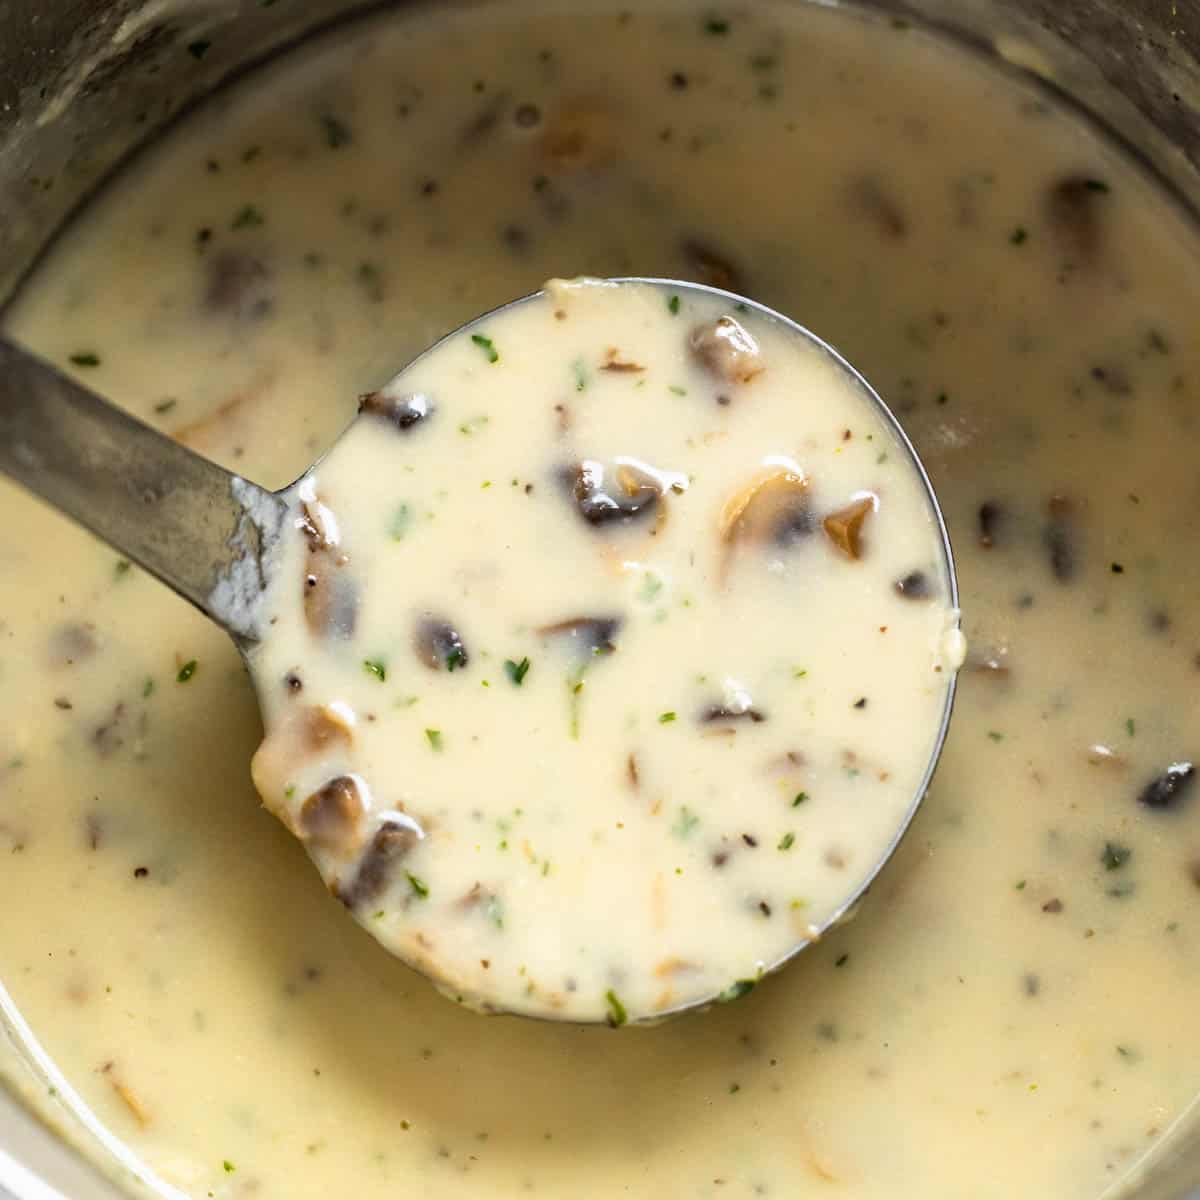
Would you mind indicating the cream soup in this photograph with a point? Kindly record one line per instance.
(606, 654)
(1012, 1011)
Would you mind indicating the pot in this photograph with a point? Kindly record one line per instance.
(85, 83)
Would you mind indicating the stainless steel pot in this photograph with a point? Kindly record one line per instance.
(84, 83)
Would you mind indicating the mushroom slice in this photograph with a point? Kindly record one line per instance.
(635, 495)
(393, 842)
(439, 645)
(332, 817)
(590, 636)
(401, 409)
(773, 505)
(330, 597)
(844, 526)
(726, 350)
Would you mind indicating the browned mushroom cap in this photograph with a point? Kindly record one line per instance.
(330, 596)
(707, 265)
(402, 410)
(589, 635)
(844, 526)
(392, 843)
(726, 350)
(774, 505)
(580, 136)
(438, 644)
(633, 494)
(1074, 206)
(332, 817)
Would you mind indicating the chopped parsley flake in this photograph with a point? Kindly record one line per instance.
(516, 671)
(787, 841)
(617, 1016)
(229, 1167)
(198, 49)
(121, 568)
(455, 657)
(799, 799)
(1096, 185)
(1019, 236)
(685, 823)
(581, 374)
(673, 306)
(715, 27)
(676, 390)
(400, 522)
(186, 671)
(1020, 885)
(1114, 856)
(485, 344)
(147, 688)
(1130, 726)
(419, 886)
(337, 132)
(435, 738)
(736, 990)
(248, 217)
(666, 718)
(376, 667)
(85, 358)
(995, 735)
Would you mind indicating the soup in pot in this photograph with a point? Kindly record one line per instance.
(1010, 1013)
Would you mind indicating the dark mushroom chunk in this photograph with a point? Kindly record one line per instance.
(1168, 789)
(333, 816)
(634, 496)
(1060, 537)
(726, 350)
(391, 844)
(1074, 207)
(707, 265)
(773, 506)
(238, 284)
(844, 526)
(619, 366)
(403, 410)
(877, 206)
(589, 636)
(992, 517)
(914, 586)
(330, 598)
(715, 713)
(439, 645)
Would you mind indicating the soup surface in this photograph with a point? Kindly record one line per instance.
(1012, 1011)
(729, 573)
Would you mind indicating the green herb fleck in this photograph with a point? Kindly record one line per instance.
(1096, 185)
(666, 718)
(1114, 856)
(516, 671)
(229, 1167)
(799, 799)
(495, 911)
(456, 657)
(289, 791)
(248, 217)
(370, 277)
(85, 358)
(651, 586)
(376, 667)
(1130, 726)
(736, 990)
(435, 739)
(800, 673)
(734, 1088)
(842, 960)
(400, 522)
(787, 841)
(685, 823)
(165, 406)
(199, 48)
(715, 27)
(1021, 885)
(337, 132)
(419, 886)
(995, 735)
(673, 306)
(579, 368)
(485, 344)
(1019, 236)
(617, 1016)
(676, 390)
(186, 671)
(147, 688)
(121, 568)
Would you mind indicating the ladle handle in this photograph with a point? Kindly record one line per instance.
(200, 529)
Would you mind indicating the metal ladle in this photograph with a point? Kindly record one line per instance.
(209, 534)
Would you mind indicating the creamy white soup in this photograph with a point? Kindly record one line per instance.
(606, 654)
(1011, 1013)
